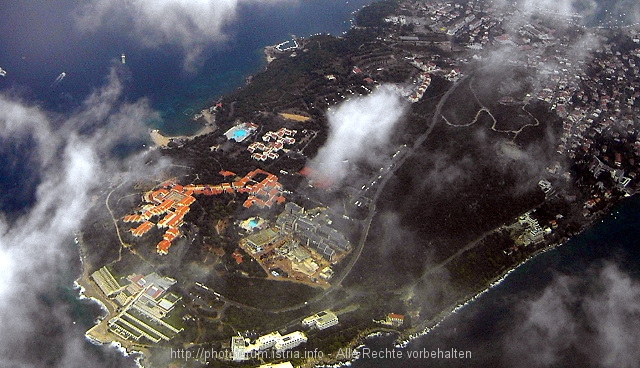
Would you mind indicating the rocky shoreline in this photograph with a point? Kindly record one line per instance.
(403, 338)
(98, 334)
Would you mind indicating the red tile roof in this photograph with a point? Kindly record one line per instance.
(163, 247)
(226, 173)
(265, 193)
(142, 229)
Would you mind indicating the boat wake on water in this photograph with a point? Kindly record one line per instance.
(58, 80)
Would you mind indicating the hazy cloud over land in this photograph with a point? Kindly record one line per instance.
(592, 320)
(561, 7)
(76, 162)
(618, 10)
(190, 24)
(359, 129)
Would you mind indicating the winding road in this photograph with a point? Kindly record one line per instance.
(372, 209)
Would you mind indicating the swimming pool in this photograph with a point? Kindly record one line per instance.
(239, 134)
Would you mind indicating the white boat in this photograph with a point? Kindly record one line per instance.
(2, 72)
(123, 58)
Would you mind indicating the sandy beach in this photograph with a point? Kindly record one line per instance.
(161, 140)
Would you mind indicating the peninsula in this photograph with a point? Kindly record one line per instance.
(518, 132)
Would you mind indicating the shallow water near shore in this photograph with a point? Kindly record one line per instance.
(35, 54)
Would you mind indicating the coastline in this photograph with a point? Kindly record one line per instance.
(99, 334)
(403, 338)
(88, 290)
(429, 325)
(160, 140)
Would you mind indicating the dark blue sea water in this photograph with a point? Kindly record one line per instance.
(485, 326)
(38, 41)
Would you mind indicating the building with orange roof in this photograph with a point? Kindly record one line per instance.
(132, 218)
(142, 229)
(175, 200)
(148, 197)
(187, 201)
(157, 196)
(171, 234)
(164, 222)
(176, 221)
(395, 319)
(183, 210)
(226, 173)
(237, 256)
(163, 247)
(173, 231)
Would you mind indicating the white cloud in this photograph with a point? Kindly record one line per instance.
(562, 7)
(612, 10)
(75, 163)
(191, 24)
(360, 128)
(614, 314)
(592, 319)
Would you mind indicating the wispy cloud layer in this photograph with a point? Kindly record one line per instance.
(190, 24)
(607, 10)
(594, 320)
(76, 162)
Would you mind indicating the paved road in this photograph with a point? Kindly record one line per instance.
(336, 283)
(388, 174)
(115, 222)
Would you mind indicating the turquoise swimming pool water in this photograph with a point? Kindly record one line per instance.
(239, 133)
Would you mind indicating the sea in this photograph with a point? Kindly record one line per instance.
(38, 43)
(485, 326)
(484, 331)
